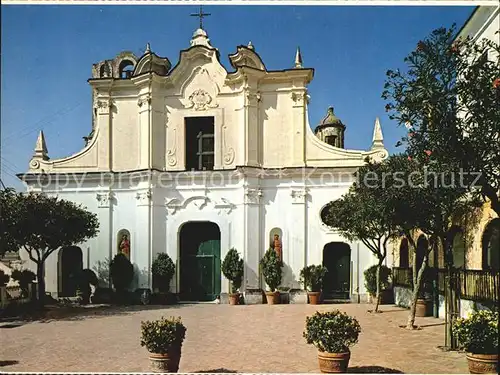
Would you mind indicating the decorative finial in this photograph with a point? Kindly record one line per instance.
(201, 15)
(298, 59)
(250, 45)
(378, 139)
(41, 147)
(148, 48)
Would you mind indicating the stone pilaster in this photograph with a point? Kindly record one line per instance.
(297, 237)
(106, 234)
(252, 240)
(142, 241)
(104, 108)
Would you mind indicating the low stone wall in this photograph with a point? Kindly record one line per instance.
(402, 298)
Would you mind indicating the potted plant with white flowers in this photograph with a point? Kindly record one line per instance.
(333, 333)
(163, 339)
(478, 336)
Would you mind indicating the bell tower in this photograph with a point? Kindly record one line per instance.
(331, 130)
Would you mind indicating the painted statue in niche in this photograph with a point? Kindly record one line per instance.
(124, 243)
(277, 246)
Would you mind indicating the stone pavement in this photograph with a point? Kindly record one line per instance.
(223, 338)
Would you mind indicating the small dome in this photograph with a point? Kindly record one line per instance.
(330, 118)
(199, 32)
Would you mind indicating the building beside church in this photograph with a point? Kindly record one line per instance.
(193, 160)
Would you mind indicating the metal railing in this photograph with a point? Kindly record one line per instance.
(474, 285)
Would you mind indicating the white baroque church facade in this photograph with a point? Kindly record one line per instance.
(193, 160)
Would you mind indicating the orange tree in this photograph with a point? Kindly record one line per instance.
(40, 225)
(448, 97)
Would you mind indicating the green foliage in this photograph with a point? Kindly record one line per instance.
(84, 279)
(24, 278)
(41, 224)
(232, 268)
(449, 92)
(160, 336)
(121, 272)
(332, 331)
(4, 279)
(371, 278)
(271, 269)
(163, 269)
(312, 277)
(478, 333)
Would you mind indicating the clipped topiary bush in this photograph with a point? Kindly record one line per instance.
(232, 268)
(371, 279)
(121, 272)
(271, 269)
(163, 270)
(24, 278)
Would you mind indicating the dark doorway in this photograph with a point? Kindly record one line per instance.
(200, 261)
(337, 259)
(70, 264)
(422, 250)
(404, 254)
(199, 143)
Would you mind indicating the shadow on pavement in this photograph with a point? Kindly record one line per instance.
(373, 370)
(73, 313)
(8, 363)
(217, 370)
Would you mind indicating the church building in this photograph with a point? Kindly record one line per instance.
(196, 159)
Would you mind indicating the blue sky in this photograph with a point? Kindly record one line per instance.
(48, 52)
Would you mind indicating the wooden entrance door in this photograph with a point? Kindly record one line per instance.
(337, 259)
(200, 274)
(69, 267)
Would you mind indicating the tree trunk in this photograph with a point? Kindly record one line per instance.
(377, 297)
(416, 289)
(41, 282)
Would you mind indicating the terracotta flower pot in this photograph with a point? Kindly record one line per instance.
(313, 297)
(234, 298)
(423, 308)
(168, 362)
(482, 363)
(273, 298)
(333, 363)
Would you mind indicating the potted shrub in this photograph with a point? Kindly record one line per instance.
(85, 278)
(163, 339)
(271, 269)
(424, 302)
(121, 272)
(163, 270)
(312, 277)
(478, 336)
(371, 283)
(232, 268)
(333, 333)
(24, 278)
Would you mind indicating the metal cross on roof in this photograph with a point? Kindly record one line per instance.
(201, 15)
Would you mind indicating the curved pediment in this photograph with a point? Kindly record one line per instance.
(150, 62)
(198, 69)
(245, 56)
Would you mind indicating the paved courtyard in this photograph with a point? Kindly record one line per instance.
(223, 338)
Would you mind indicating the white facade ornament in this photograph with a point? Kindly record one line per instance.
(229, 152)
(144, 100)
(143, 197)
(224, 206)
(299, 97)
(104, 106)
(174, 204)
(299, 196)
(378, 138)
(171, 153)
(104, 199)
(200, 100)
(252, 196)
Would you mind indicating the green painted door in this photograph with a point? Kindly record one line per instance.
(200, 278)
(208, 270)
(337, 259)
